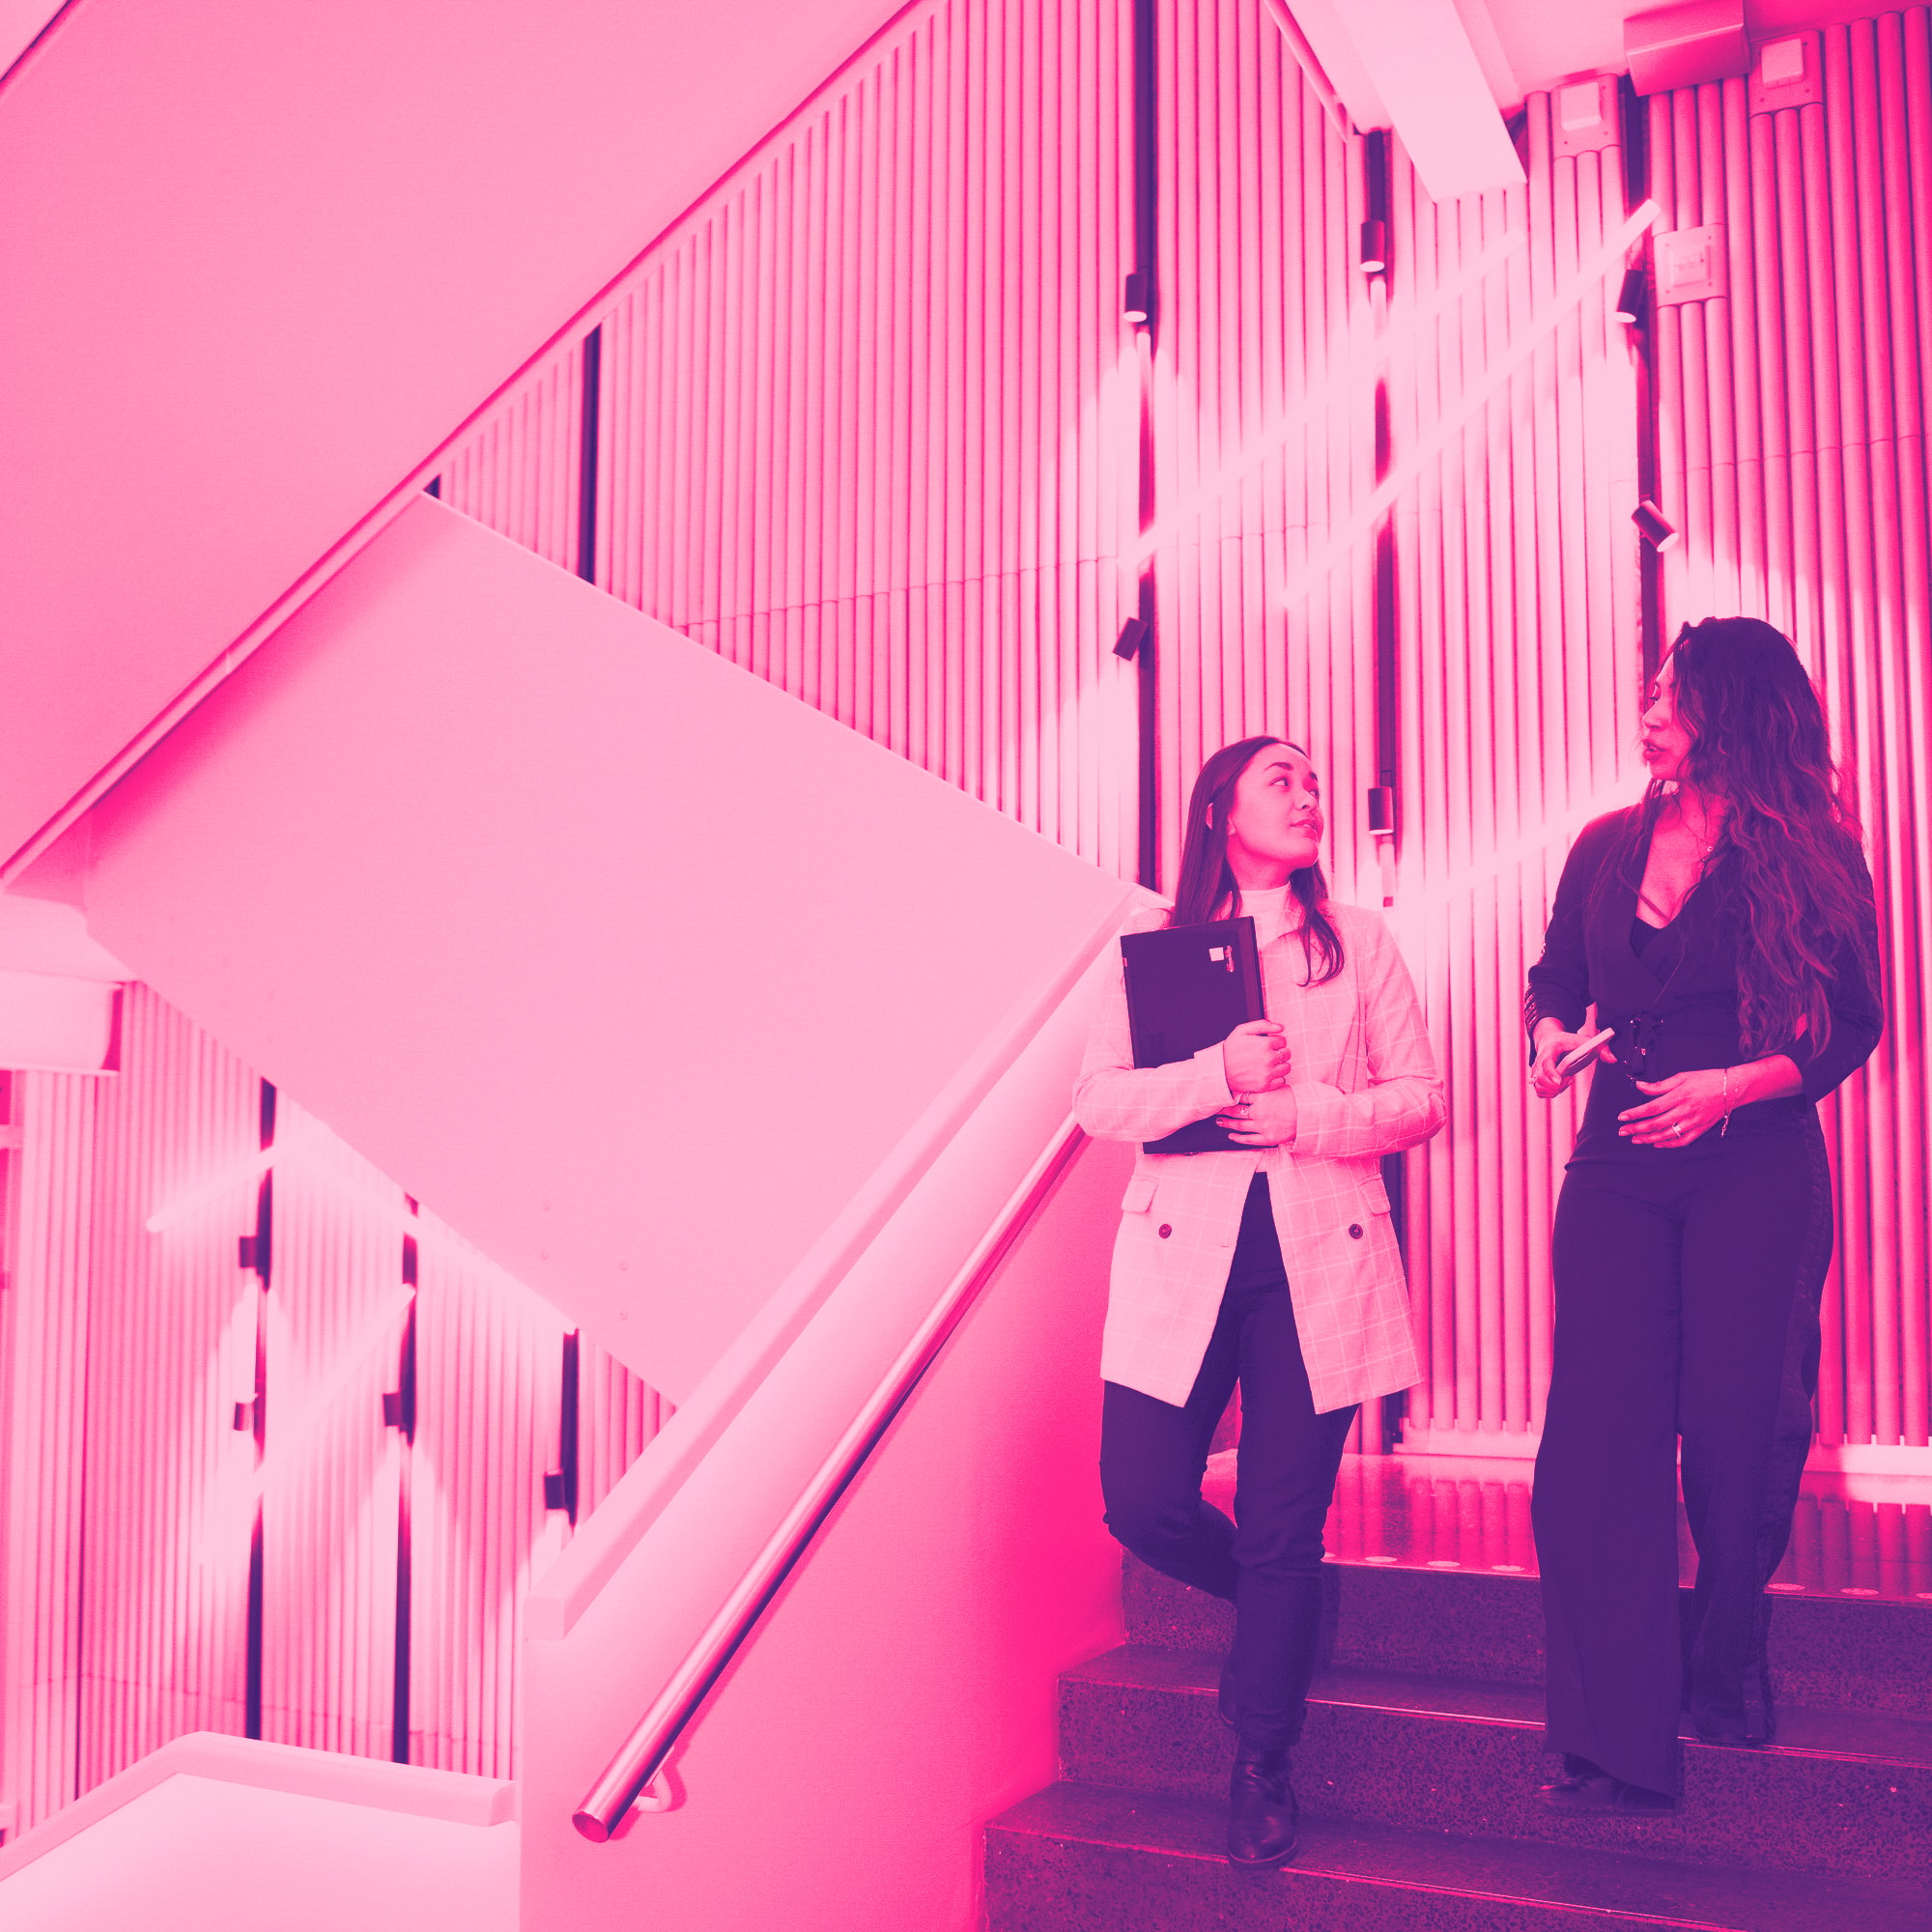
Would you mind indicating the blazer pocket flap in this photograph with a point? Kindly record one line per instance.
(1378, 1196)
(1139, 1197)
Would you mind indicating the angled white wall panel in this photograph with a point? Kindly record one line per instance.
(867, 413)
(277, 254)
(629, 966)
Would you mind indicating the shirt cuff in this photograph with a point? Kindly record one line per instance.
(1214, 1086)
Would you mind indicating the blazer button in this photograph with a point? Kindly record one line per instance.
(1165, 1230)
(1355, 1231)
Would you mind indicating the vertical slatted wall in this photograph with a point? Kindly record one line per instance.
(488, 1401)
(1517, 649)
(869, 413)
(1793, 432)
(1520, 670)
(131, 1317)
(335, 1311)
(488, 1415)
(519, 470)
(868, 426)
(167, 1504)
(1260, 202)
(44, 1318)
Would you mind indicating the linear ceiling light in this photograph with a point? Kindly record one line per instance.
(1685, 45)
(1412, 66)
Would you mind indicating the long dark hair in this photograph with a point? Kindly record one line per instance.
(1206, 880)
(1791, 848)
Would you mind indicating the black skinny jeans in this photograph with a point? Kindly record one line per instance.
(1687, 1306)
(1267, 1562)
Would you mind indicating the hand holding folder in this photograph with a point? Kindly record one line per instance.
(1190, 986)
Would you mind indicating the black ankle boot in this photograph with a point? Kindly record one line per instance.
(1262, 1811)
(1738, 1714)
(1587, 1790)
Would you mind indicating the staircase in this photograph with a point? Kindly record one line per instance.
(1417, 1770)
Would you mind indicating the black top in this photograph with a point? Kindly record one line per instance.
(1675, 1000)
(1257, 1259)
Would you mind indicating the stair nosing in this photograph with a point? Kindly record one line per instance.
(1324, 1691)
(1634, 1863)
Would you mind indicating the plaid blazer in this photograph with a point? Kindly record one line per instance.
(1365, 1084)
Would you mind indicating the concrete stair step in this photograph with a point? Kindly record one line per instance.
(1842, 1652)
(1083, 1856)
(1848, 1791)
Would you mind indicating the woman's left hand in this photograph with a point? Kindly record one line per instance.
(1682, 1108)
(1260, 1120)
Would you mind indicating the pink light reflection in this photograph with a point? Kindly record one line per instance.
(1611, 256)
(1356, 372)
(297, 1426)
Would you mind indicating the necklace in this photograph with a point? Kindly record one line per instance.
(1705, 841)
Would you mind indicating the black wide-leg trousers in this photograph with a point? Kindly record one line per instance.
(1687, 1312)
(1267, 1562)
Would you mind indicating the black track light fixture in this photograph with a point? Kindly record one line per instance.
(1655, 530)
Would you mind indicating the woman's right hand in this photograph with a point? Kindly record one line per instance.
(1550, 1046)
(1254, 1057)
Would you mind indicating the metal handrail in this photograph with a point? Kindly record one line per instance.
(635, 1776)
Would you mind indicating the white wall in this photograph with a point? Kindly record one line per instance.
(901, 1690)
(277, 252)
(630, 967)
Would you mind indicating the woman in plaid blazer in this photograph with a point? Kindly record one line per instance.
(1272, 1265)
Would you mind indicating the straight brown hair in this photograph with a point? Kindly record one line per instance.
(1206, 880)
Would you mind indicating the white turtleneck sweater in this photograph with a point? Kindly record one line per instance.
(1272, 912)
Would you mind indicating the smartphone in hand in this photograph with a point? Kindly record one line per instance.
(1583, 1052)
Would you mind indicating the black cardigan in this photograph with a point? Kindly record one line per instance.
(1676, 1008)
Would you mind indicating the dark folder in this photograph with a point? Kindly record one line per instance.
(1190, 986)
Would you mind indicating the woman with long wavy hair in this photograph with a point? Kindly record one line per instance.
(1270, 1264)
(1724, 928)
